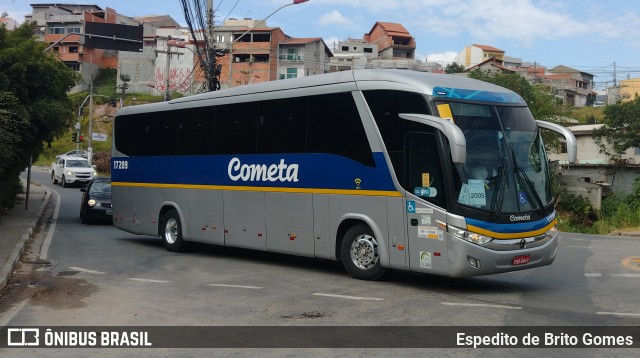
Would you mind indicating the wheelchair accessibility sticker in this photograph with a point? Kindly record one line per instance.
(522, 198)
(411, 206)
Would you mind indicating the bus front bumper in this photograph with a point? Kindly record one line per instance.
(467, 259)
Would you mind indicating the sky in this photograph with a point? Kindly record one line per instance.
(593, 36)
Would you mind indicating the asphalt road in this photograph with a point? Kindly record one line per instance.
(97, 275)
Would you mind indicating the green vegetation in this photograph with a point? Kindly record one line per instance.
(34, 107)
(621, 129)
(105, 86)
(618, 212)
(587, 115)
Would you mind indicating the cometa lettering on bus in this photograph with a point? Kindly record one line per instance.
(261, 172)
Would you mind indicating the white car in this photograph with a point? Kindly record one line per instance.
(72, 170)
(74, 153)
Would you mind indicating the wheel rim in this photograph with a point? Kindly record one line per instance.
(171, 231)
(364, 252)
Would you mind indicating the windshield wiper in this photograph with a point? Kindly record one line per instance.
(529, 187)
(498, 194)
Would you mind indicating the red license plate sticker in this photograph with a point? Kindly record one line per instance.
(520, 260)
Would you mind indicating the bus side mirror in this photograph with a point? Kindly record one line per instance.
(572, 146)
(457, 141)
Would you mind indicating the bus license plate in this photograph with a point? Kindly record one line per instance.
(520, 260)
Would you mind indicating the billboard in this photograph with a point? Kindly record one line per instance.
(113, 36)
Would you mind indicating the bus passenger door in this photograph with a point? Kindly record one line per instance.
(424, 202)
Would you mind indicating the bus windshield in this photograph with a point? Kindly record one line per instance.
(506, 170)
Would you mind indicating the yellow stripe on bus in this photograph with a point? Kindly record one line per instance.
(511, 235)
(261, 188)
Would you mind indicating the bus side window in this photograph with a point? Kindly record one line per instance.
(335, 127)
(385, 106)
(195, 131)
(422, 162)
(236, 127)
(282, 125)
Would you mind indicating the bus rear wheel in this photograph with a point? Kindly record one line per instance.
(171, 232)
(360, 253)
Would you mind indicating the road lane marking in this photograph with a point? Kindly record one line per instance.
(593, 274)
(632, 262)
(234, 286)
(619, 314)
(628, 275)
(348, 297)
(482, 305)
(87, 270)
(147, 280)
(44, 249)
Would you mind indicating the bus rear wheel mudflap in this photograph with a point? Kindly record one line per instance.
(360, 253)
(171, 232)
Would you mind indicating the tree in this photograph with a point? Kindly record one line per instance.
(454, 67)
(34, 107)
(621, 129)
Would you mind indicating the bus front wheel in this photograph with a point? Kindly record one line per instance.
(360, 253)
(172, 232)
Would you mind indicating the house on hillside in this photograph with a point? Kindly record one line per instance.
(62, 26)
(573, 86)
(393, 41)
(299, 57)
(476, 54)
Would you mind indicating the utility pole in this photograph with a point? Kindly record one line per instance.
(90, 134)
(212, 70)
(167, 93)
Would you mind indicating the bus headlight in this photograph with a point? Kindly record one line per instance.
(91, 202)
(469, 236)
(553, 231)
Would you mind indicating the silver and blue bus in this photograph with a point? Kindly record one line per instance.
(377, 169)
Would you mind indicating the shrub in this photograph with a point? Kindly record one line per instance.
(102, 161)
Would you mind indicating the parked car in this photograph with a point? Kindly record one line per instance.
(72, 170)
(96, 200)
(598, 104)
(74, 153)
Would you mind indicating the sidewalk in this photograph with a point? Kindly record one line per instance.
(16, 228)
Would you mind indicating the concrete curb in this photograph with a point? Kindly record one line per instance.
(8, 267)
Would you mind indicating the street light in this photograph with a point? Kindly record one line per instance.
(295, 2)
(221, 52)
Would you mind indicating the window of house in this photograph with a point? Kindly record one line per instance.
(56, 49)
(73, 65)
(241, 58)
(367, 50)
(262, 37)
(242, 38)
(73, 49)
(345, 48)
(260, 58)
(73, 30)
(292, 72)
(56, 30)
